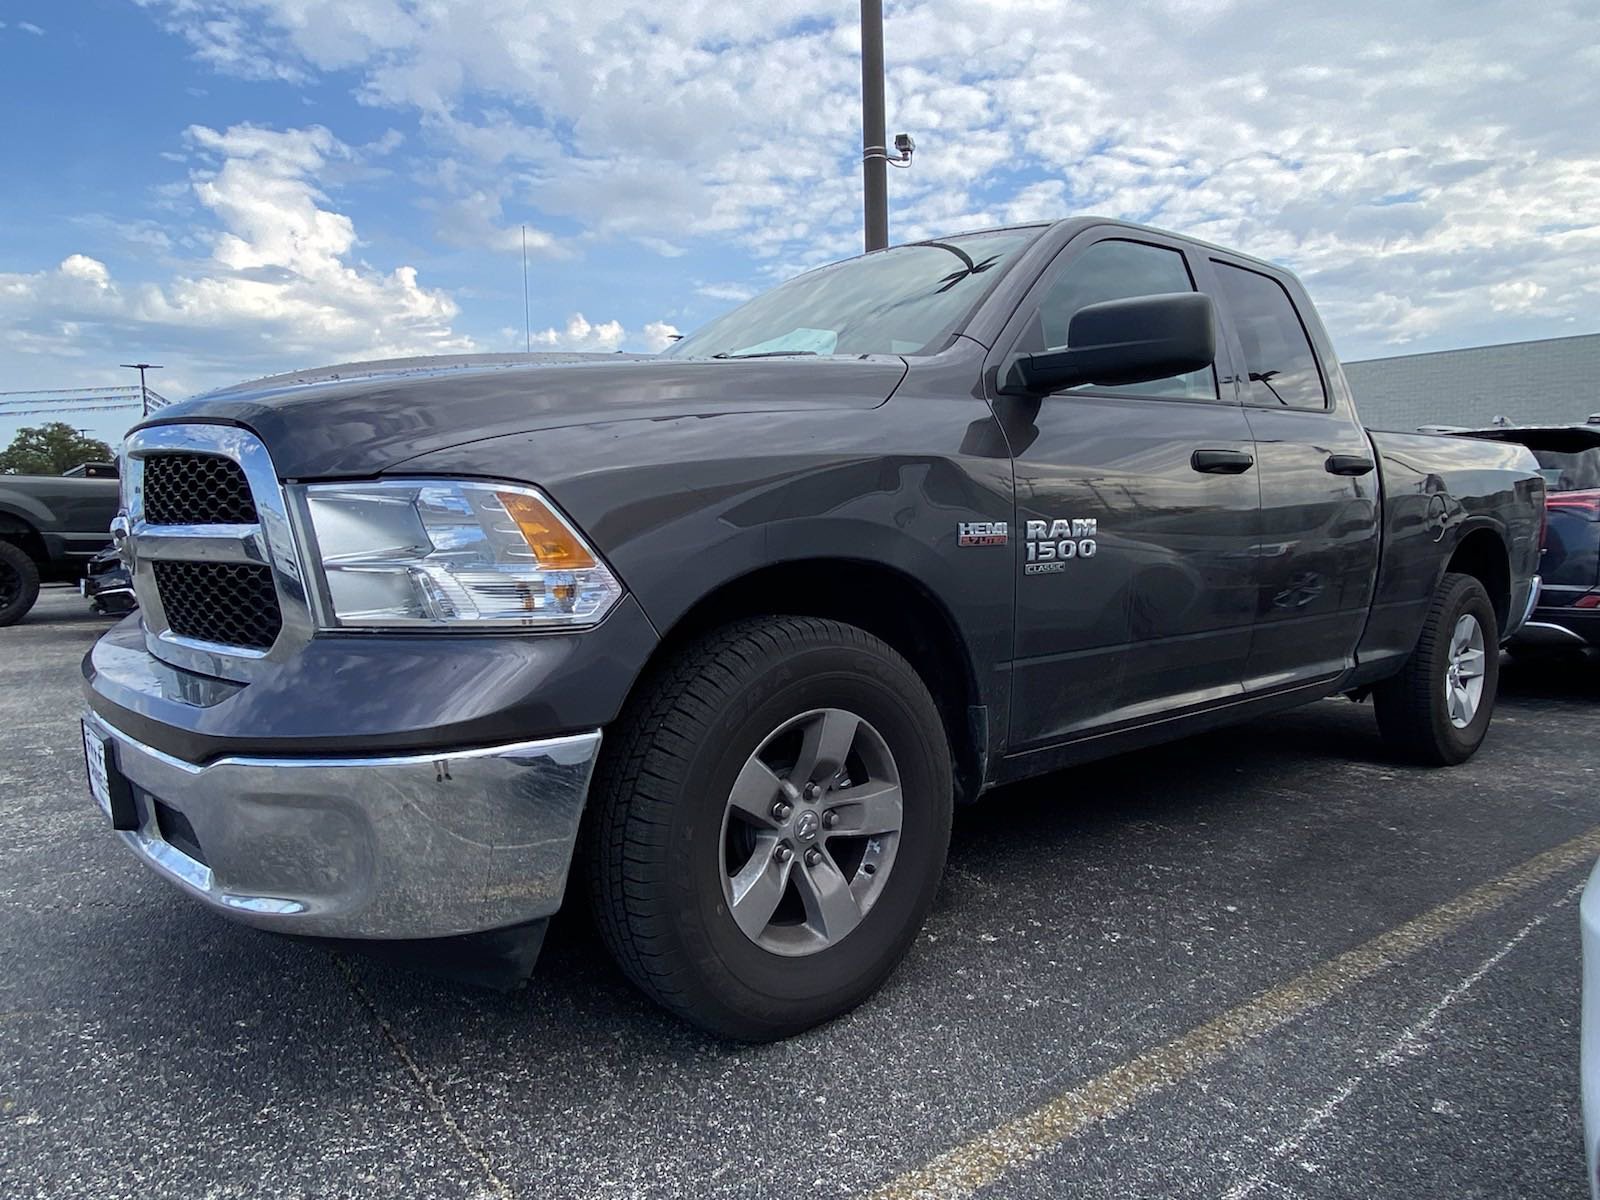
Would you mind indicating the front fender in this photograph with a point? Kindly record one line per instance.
(681, 507)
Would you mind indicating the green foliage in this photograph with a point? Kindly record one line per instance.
(50, 449)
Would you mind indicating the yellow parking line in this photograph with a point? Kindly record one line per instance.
(962, 1170)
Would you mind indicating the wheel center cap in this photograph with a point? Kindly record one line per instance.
(806, 825)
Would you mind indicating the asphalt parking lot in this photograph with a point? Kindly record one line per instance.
(1264, 962)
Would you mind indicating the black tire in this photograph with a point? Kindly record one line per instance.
(1412, 711)
(19, 583)
(654, 843)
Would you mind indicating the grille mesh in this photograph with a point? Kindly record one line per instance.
(196, 489)
(234, 604)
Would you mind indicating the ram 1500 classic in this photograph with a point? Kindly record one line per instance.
(725, 633)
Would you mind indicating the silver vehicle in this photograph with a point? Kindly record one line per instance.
(1590, 1052)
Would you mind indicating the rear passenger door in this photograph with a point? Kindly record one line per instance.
(1134, 564)
(1318, 557)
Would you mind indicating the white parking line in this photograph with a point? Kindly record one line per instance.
(1409, 1044)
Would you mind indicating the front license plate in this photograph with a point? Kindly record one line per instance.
(94, 757)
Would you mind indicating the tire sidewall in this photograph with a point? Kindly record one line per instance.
(796, 991)
(1458, 744)
(14, 559)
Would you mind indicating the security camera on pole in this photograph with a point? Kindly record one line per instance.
(875, 155)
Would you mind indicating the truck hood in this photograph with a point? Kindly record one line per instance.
(365, 418)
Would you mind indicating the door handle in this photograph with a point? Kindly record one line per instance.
(1221, 462)
(1348, 464)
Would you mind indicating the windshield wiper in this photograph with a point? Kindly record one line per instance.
(770, 354)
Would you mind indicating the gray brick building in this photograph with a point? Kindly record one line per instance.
(1543, 382)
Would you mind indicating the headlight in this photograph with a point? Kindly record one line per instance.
(448, 553)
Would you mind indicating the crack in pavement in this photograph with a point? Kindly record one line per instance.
(424, 1085)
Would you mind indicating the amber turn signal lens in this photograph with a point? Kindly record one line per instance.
(556, 546)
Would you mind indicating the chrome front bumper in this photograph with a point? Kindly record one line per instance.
(395, 847)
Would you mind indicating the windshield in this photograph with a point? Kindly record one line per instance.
(901, 301)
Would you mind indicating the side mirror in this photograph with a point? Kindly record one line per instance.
(1124, 341)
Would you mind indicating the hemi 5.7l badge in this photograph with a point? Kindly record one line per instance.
(982, 533)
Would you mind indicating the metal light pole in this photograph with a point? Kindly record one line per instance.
(144, 392)
(874, 152)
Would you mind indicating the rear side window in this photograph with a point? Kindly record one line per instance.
(1277, 352)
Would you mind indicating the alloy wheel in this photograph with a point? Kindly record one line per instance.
(1464, 671)
(810, 831)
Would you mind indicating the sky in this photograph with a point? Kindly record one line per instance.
(234, 188)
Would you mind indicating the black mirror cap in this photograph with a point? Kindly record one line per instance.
(1127, 341)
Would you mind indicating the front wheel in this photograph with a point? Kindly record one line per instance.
(770, 824)
(19, 583)
(1437, 709)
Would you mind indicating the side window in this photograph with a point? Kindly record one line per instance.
(1116, 270)
(1277, 353)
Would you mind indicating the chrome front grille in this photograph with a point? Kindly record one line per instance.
(196, 489)
(226, 603)
(212, 550)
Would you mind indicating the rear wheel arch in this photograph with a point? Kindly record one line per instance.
(1481, 552)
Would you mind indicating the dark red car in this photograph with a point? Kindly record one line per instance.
(1568, 612)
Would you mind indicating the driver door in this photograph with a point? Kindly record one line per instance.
(1135, 557)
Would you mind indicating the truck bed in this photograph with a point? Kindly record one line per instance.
(1433, 483)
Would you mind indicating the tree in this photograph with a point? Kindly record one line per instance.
(50, 449)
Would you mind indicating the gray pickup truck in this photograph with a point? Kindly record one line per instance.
(725, 633)
(51, 528)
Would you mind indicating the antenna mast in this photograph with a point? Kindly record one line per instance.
(527, 325)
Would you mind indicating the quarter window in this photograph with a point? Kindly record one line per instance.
(1277, 353)
(1116, 270)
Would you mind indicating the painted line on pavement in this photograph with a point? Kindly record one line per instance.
(964, 1169)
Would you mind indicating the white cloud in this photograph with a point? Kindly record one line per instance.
(658, 335)
(477, 221)
(144, 234)
(281, 285)
(1429, 160)
(1514, 295)
(30, 27)
(736, 292)
(581, 334)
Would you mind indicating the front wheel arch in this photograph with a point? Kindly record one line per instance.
(886, 602)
